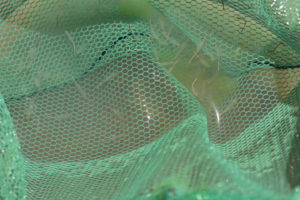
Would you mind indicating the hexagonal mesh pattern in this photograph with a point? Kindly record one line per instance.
(161, 100)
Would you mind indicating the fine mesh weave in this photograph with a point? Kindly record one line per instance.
(158, 99)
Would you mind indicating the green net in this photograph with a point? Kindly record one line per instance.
(158, 99)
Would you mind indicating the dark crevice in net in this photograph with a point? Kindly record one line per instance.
(273, 65)
(84, 73)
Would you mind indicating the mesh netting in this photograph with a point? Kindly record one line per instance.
(158, 99)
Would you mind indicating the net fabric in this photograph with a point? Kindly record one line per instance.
(12, 183)
(102, 108)
(259, 93)
(281, 17)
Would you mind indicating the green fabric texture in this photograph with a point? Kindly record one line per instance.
(13, 185)
(9, 6)
(149, 100)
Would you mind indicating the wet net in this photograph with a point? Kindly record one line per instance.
(158, 99)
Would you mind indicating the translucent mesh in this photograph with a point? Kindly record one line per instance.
(158, 99)
(11, 165)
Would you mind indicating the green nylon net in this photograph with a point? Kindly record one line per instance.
(158, 99)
